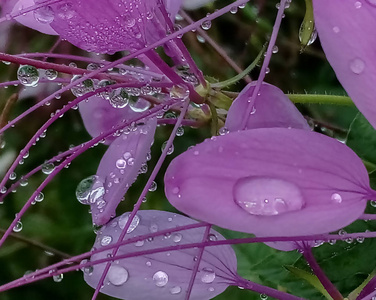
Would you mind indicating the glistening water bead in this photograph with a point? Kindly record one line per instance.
(28, 75)
(90, 190)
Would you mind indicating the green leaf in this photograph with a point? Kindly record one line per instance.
(310, 278)
(362, 139)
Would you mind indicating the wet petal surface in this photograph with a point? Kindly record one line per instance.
(162, 275)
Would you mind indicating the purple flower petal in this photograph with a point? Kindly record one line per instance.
(39, 19)
(272, 108)
(119, 168)
(346, 31)
(270, 182)
(100, 116)
(164, 275)
(193, 4)
(108, 26)
(173, 7)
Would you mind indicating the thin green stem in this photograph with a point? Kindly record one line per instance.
(320, 99)
(240, 76)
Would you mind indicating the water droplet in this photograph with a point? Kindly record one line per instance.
(28, 75)
(336, 29)
(263, 296)
(121, 163)
(48, 168)
(139, 104)
(153, 228)
(336, 198)
(139, 243)
(177, 237)
(212, 237)
(207, 275)
(90, 190)
(124, 219)
(82, 87)
(13, 176)
(153, 187)
(117, 275)
(358, 4)
(170, 150)
(175, 290)
(39, 197)
(106, 240)
(267, 196)
(18, 227)
(206, 25)
(58, 277)
(51, 74)
(357, 66)
(160, 278)
(373, 203)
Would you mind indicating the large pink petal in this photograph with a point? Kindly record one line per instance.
(270, 181)
(119, 168)
(136, 278)
(272, 108)
(108, 26)
(347, 33)
(30, 19)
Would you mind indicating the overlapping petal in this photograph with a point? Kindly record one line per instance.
(346, 31)
(119, 168)
(272, 108)
(270, 182)
(38, 19)
(193, 4)
(164, 275)
(100, 116)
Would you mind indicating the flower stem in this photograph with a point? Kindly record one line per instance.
(320, 99)
(328, 285)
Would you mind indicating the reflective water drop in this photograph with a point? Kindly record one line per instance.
(18, 227)
(117, 275)
(124, 219)
(28, 75)
(177, 237)
(13, 176)
(170, 150)
(153, 187)
(82, 87)
(153, 228)
(90, 190)
(160, 278)
(139, 104)
(39, 197)
(44, 15)
(48, 168)
(357, 66)
(58, 277)
(336, 198)
(139, 243)
(106, 240)
(206, 25)
(121, 163)
(175, 290)
(51, 74)
(267, 196)
(207, 275)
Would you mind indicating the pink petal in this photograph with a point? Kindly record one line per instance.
(108, 26)
(272, 108)
(30, 18)
(162, 275)
(313, 184)
(173, 7)
(347, 34)
(119, 168)
(100, 116)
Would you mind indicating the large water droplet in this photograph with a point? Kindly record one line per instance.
(82, 87)
(48, 168)
(58, 277)
(267, 196)
(18, 227)
(175, 290)
(117, 275)
(207, 275)
(90, 190)
(124, 219)
(28, 75)
(160, 278)
(106, 240)
(357, 66)
(44, 15)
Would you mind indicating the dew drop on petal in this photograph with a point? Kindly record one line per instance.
(175, 290)
(117, 275)
(160, 278)
(58, 278)
(267, 196)
(106, 240)
(90, 190)
(124, 219)
(207, 275)
(357, 66)
(177, 237)
(336, 198)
